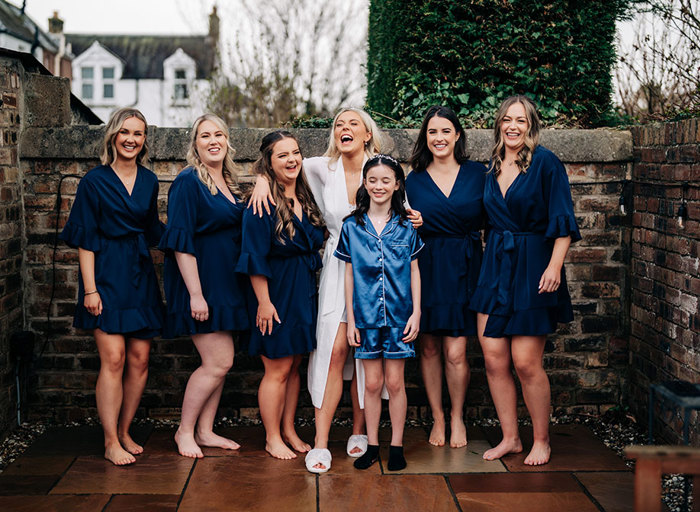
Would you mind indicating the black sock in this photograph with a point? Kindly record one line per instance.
(397, 462)
(368, 458)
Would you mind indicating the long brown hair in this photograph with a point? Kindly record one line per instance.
(108, 155)
(532, 137)
(285, 213)
(229, 170)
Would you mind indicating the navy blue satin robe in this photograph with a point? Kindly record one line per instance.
(290, 267)
(536, 210)
(451, 260)
(208, 227)
(119, 228)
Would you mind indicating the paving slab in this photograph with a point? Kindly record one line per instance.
(338, 493)
(143, 503)
(261, 484)
(422, 457)
(49, 465)
(150, 474)
(83, 440)
(84, 503)
(614, 491)
(26, 484)
(520, 492)
(574, 448)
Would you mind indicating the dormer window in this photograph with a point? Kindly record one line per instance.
(108, 83)
(181, 92)
(87, 75)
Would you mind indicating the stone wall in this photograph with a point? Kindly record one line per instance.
(11, 231)
(587, 367)
(665, 269)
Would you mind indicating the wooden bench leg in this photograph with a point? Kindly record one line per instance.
(696, 492)
(647, 485)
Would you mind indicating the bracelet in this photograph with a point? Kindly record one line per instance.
(90, 293)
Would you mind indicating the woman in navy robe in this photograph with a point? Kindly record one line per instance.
(447, 189)
(280, 254)
(522, 291)
(113, 221)
(205, 295)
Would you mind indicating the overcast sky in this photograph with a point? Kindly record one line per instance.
(123, 16)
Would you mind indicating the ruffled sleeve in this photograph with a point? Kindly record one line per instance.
(154, 227)
(81, 230)
(560, 207)
(182, 216)
(342, 251)
(256, 244)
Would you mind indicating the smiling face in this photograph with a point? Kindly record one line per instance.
(350, 133)
(286, 161)
(441, 137)
(211, 144)
(514, 127)
(130, 139)
(381, 184)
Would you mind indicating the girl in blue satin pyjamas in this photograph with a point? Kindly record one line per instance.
(382, 296)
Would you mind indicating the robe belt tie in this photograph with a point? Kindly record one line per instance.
(142, 257)
(505, 255)
(468, 241)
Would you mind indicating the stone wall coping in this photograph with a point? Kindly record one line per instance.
(82, 142)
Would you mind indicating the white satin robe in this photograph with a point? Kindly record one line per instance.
(327, 182)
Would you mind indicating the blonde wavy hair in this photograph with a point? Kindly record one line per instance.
(285, 213)
(532, 137)
(373, 145)
(108, 155)
(229, 171)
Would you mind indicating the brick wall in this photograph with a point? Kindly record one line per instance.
(587, 367)
(665, 268)
(11, 224)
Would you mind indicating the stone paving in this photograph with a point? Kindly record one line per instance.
(64, 471)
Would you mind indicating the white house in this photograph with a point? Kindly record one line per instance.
(165, 77)
(18, 32)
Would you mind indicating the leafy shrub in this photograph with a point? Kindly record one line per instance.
(471, 54)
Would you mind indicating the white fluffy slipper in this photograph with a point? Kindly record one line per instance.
(357, 441)
(318, 455)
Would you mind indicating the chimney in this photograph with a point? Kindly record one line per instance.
(214, 26)
(55, 24)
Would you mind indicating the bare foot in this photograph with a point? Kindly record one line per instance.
(212, 440)
(503, 448)
(437, 433)
(187, 446)
(279, 450)
(539, 454)
(130, 445)
(295, 442)
(118, 455)
(458, 434)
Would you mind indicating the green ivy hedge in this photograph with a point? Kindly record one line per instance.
(471, 54)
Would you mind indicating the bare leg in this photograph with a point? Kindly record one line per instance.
(457, 375)
(431, 369)
(271, 398)
(358, 414)
(333, 392)
(291, 398)
(216, 351)
(109, 393)
(204, 431)
(497, 359)
(394, 372)
(374, 380)
(134, 382)
(527, 357)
